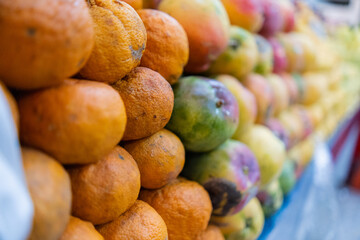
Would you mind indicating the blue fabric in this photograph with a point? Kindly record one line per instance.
(16, 209)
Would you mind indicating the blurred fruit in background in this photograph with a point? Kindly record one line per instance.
(265, 60)
(270, 156)
(315, 87)
(245, 225)
(240, 56)
(288, 10)
(280, 60)
(278, 130)
(287, 179)
(280, 93)
(206, 24)
(230, 173)
(246, 102)
(264, 96)
(294, 52)
(205, 113)
(247, 14)
(271, 198)
(50, 191)
(291, 87)
(273, 18)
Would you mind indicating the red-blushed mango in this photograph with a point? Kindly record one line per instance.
(288, 9)
(264, 95)
(280, 59)
(240, 56)
(207, 26)
(281, 95)
(247, 14)
(273, 18)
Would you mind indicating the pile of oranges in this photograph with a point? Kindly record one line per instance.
(89, 85)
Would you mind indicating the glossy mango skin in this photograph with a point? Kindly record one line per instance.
(205, 113)
(206, 24)
(240, 56)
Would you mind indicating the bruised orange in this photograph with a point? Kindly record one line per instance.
(43, 42)
(212, 232)
(78, 229)
(50, 190)
(104, 190)
(149, 101)
(120, 39)
(167, 47)
(140, 222)
(160, 158)
(76, 122)
(184, 205)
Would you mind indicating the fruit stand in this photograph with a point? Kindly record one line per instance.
(179, 120)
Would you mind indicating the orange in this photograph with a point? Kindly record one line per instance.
(160, 158)
(136, 4)
(50, 190)
(120, 39)
(151, 3)
(78, 229)
(212, 232)
(184, 205)
(12, 104)
(44, 41)
(167, 46)
(76, 122)
(104, 190)
(149, 101)
(140, 222)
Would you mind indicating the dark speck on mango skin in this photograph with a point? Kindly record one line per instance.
(120, 156)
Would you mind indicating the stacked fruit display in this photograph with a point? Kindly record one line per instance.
(118, 143)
